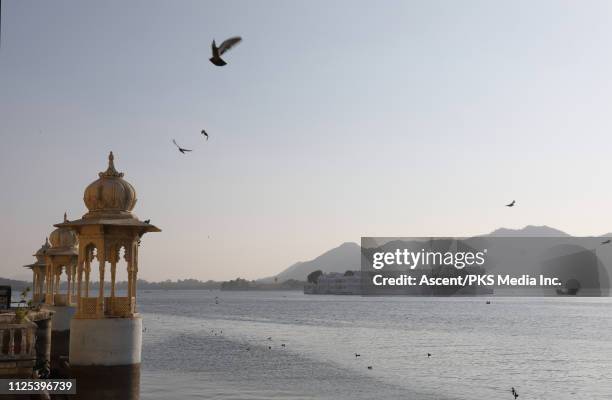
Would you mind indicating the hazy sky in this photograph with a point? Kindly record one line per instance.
(332, 120)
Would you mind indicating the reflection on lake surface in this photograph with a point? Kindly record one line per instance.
(547, 348)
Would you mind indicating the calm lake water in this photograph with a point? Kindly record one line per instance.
(547, 348)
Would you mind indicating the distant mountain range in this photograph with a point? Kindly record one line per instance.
(529, 230)
(347, 256)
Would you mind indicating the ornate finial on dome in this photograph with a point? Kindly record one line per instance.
(111, 171)
(65, 216)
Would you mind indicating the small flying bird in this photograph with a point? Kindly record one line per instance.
(357, 355)
(182, 150)
(369, 367)
(217, 52)
(147, 221)
(511, 204)
(204, 133)
(270, 338)
(428, 355)
(269, 347)
(606, 241)
(283, 345)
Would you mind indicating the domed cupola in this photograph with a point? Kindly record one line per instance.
(110, 196)
(42, 252)
(63, 238)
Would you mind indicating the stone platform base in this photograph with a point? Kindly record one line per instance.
(105, 342)
(60, 337)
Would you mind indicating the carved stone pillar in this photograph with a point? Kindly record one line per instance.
(113, 275)
(79, 284)
(101, 291)
(11, 346)
(69, 287)
(22, 346)
(87, 271)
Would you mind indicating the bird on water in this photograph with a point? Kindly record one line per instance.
(217, 52)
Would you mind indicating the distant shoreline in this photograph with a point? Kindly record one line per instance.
(182, 284)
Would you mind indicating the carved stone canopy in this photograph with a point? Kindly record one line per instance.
(110, 195)
(110, 201)
(63, 240)
(40, 255)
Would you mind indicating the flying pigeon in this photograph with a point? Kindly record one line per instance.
(182, 150)
(147, 221)
(204, 133)
(217, 52)
(606, 241)
(511, 204)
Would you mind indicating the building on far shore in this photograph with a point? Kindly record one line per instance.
(348, 282)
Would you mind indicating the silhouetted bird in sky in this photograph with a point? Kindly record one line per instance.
(147, 221)
(511, 204)
(514, 393)
(606, 241)
(182, 150)
(357, 355)
(217, 52)
(204, 133)
(369, 367)
(428, 355)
